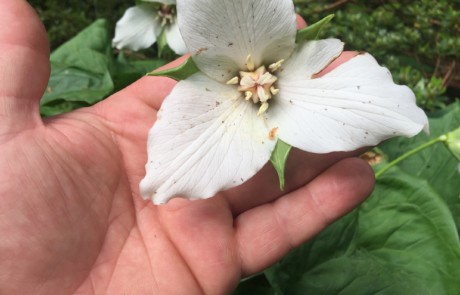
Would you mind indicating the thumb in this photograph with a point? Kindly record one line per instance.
(24, 67)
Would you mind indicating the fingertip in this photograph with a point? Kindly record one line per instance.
(272, 230)
(343, 58)
(301, 23)
(25, 28)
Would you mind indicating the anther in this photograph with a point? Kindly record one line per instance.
(263, 108)
(248, 95)
(275, 66)
(233, 81)
(274, 91)
(250, 63)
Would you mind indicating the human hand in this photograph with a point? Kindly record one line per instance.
(71, 218)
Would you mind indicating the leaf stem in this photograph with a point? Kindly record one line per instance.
(412, 152)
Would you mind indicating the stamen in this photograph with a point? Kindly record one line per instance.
(248, 95)
(266, 78)
(262, 93)
(233, 81)
(250, 63)
(274, 91)
(275, 66)
(263, 108)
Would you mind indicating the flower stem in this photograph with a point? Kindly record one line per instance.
(412, 152)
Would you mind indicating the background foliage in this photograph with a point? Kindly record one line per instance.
(405, 238)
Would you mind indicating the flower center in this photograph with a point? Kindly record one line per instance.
(257, 84)
(167, 15)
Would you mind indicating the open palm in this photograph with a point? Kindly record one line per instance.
(72, 221)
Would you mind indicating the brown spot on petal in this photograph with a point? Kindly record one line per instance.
(200, 51)
(273, 133)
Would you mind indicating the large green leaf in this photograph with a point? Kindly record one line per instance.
(257, 285)
(80, 71)
(127, 71)
(401, 241)
(435, 164)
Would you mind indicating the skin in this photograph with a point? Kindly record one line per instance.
(72, 221)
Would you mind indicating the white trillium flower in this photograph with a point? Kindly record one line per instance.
(218, 128)
(141, 25)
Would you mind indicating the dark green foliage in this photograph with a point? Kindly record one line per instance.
(64, 19)
(84, 71)
(418, 40)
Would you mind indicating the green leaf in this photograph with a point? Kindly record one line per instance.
(128, 71)
(435, 164)
(278, 159)
(400, 241)
(179, 73)
(312, 32)
(80, 71)
(255, 285)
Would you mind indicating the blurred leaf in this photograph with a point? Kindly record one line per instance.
(401, 241)
(257, 285)
(90, 50)
(128, 71)
(80, 70)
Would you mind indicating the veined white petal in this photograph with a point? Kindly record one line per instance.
(221, 34)
(310, 58)
(165, 2)
(137, 29)
(174, 39)
(355, 105)
(206, 139)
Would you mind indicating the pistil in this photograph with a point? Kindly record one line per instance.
(257, 84)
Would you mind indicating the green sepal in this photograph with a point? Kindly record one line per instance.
(278, 159)
(312, 32)
(179, 73)
(452, 141)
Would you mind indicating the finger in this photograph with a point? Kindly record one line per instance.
(301, 23)
(301, 167)
(24, 66)
(266, 233)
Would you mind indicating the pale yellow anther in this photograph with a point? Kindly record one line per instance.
(263, 108)
(248, 95)
(233, 81)
(274, 91)
(275, 66)
(250, 63)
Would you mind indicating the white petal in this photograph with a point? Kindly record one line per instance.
(355, 105)
(137, 29)
(221, 34)
(310, 58)
(206, 139)
(174, 39)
